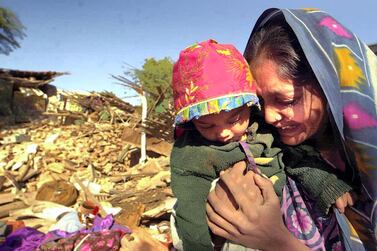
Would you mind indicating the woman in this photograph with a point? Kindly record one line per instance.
(318, 82)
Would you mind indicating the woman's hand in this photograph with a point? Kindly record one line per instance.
(244, 208)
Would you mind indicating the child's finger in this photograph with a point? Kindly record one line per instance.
(352, 198)
(341, 203)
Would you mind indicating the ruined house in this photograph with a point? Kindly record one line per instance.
(23, 94)
(26, 96)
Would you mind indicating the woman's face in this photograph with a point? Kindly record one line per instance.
(297, 111)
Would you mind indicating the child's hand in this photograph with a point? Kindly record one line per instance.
(347, 199)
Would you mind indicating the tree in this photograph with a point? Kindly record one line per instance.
(11, 30)
(152, 84)
(155, 78)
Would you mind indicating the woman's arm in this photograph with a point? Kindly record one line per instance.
(254, 218)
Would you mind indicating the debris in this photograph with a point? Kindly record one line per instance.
(6, 198)
(162, 209)
(76, 154)
(6, 208)
(90, 196)
(68, 222)
(60, 192)
(18, 138)
(41, 209)
(91, 187)
(56, 167)
(13, 181)
(51, 138)
(110, 209)
(131, 215)
(158, 180)
(17, 165)
(32, 149)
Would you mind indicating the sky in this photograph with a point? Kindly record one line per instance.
(92, 39)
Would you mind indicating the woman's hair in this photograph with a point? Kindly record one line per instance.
(278, 43)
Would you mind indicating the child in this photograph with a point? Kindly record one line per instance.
(216, 104)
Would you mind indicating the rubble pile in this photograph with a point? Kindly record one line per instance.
(76, 165)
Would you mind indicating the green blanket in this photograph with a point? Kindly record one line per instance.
(196, 162)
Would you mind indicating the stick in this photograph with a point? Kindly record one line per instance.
(90, 196)
(5, 209)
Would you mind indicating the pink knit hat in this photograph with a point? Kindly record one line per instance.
(208, 78)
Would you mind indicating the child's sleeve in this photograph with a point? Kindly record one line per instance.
(190, 186)
(191, 224)
(321, 181)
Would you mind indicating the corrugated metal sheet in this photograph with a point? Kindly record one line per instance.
(33, 79)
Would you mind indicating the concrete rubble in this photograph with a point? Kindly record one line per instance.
(75, 155)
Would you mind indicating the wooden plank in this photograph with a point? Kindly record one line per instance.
(6, 198)
(5, 209)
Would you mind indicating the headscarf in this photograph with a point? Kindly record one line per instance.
(346, 70)
(208, 78)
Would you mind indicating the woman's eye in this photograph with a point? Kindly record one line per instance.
(287, 101)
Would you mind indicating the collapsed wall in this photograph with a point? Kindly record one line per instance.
(22, 96)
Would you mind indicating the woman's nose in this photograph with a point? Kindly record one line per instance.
(272, 115)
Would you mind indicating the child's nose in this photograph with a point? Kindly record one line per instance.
(224, 135)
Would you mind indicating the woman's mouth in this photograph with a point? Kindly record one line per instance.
(288, 130)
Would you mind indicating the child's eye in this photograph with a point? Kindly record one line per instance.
(205, 127)
(234, 120)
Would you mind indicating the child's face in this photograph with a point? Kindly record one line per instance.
(225, 126)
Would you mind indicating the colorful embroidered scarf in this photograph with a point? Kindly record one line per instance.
(347, 72)
(208, 78)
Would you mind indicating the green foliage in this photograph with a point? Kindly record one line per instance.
(11, 30)
(155, 78)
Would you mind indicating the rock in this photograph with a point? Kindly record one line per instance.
(164, 208)
(56, 167)
(32, 149)
(60, 192)
(51, 138)
(131, 214)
